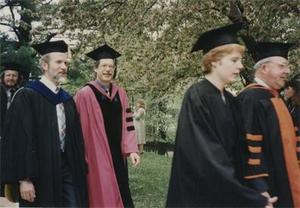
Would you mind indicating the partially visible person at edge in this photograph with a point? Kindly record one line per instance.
(270, 131)
(108, 131)
(208, 160)
(292, 99)
(10, 82)
(139, 124)
(11, 79)
(43, 148)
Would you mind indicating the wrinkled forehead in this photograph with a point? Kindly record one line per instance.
(57, 55)
(106, 61)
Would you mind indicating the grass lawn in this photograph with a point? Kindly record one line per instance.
(149, 182)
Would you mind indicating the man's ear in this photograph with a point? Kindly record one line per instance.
(264, 68)
(45, 66)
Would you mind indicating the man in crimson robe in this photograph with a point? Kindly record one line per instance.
(108, 132)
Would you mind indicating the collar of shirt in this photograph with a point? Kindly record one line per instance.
(9, 92)
(6, 88)
(261, 82)
(106, 88)
(49, 84)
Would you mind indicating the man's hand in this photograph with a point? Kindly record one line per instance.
(4, 202)
(27, 190)
(135, 159)
(271, 200)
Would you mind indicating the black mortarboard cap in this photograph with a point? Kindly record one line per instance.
(102, 52)
(217, 37)
(11, 66)
(50, 47)
(261, 50)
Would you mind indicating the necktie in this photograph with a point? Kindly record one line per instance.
(107, 91)
(9, 96)
(61, 120)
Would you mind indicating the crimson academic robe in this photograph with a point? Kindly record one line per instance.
(109, 137)
(209, 152)
(31, 145)
(273, 165)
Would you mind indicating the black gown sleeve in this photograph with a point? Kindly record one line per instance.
(19, 159)
(253, 119)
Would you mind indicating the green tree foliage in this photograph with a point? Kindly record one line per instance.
(17, 16)
(23, 55)
(155, 38)
(12, 51)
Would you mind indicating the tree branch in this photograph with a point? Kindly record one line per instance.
(47, 3)
(6, 24)
(112, 3)
(259, 10)
(2, 6)
(12, 13)
(116, 10)
(135, 5)
(149, 7)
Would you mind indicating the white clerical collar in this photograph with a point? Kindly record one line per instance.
(49, 84)
(261, 82)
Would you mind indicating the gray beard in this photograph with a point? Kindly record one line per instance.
(61, 80)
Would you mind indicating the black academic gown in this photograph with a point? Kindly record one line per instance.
(112, 116)
(261, 122)
(3, 104)
(294, 110)
(207, 163)
(31, 147)
(3, 110)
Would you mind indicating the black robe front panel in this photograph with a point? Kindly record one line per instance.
(209, 153)
(112, 116)
(3, 106)
(294, 110)
(31, 148)
(260, 118)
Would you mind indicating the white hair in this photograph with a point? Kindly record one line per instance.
(261, 62)
(44, 60)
